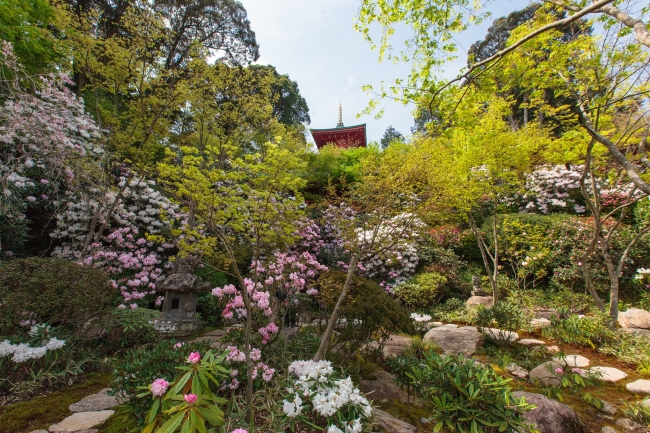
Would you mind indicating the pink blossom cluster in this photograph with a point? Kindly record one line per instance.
(134, 266)
(235, 355)
(290, 273)
(235, 308)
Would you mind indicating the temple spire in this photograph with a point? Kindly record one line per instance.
(340, 124)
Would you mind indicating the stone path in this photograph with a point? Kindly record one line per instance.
(89, 412)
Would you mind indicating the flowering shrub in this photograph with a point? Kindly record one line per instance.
(188, 402)
(23, 352)
(237, 358)
(552, 189)
(47, 142)
(318, 396)
(148, 364)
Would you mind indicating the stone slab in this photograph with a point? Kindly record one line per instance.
(529, 342)
(80, 421)
(609, 374)
(573, 361)
(640, 386)
(95, 402)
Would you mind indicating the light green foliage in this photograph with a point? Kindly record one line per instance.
(172, 411)
(453, 310)
(340, 167)
(422, 291)
(638, 411)
(589, 331)
(466, 396)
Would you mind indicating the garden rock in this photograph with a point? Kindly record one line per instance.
(629, 425)
(539, 323)
(382, 387)
(95, 402)
(390, 424)
(454, 341)
(80, 421)
(39, 431)
(500, 334)
(609, 374)
(551, 416)
(480, 300)
(608, 429)
(573, 361)
(517, 370)
(641, 386)
(436, 324)
(545, 375)
(396, 345)
(634, 318)
(638, 331)
(608, 409)
(528, 342)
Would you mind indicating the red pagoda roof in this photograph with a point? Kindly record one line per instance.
(341, 136)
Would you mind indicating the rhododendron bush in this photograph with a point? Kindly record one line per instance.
(47, 145)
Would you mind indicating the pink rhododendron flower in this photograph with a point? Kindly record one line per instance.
(190, 398)
(194, 358)
(239, 430)
(178, 345)
(159, 387)
(559, 370)
(576, 370)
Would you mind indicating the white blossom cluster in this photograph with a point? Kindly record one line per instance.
(551, 188)
(316, 386)
(420, 318)
(23, 352)
(140, 207)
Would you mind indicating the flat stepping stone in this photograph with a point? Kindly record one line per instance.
(573, 361)
(539, 323)
(609, 374)
(80, 421)
(528, 342)
(454, 340)
(640, 386)
(215, 333)
(545, 374)
(500, 334)
(95, 402)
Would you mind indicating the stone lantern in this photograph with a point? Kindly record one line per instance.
(179, 308)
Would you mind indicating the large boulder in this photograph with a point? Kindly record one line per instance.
(455, 341)
(545, 375)
(488, 301)
(390, 424)
(382, 387)
(634, 318)
(396, 345)
(551, 416)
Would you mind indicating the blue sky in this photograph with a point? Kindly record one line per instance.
(315, 43)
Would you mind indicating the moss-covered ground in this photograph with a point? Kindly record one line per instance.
(45, 410)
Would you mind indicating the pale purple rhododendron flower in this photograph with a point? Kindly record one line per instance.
(576, 370)
(178, 345)
(121, 306)
(159, 387)
(239, 430)
(559, 370)
(190, 398)
(194, 358)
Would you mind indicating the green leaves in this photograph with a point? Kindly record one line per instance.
(467, 397)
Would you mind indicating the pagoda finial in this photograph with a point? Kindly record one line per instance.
(340, 124)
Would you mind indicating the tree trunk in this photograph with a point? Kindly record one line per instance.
(325, 340)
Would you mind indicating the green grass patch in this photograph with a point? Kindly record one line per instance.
(43, 411)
